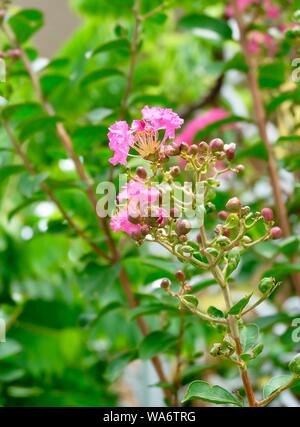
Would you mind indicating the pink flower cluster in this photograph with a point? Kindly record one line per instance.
(143, 135)
(138, 201)
(272, 11)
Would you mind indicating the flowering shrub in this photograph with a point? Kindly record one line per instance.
(145, 218)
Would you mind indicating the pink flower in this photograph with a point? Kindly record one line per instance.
(120, 140)
(258, 40)
(137, 191)
(200, 122)
(120, 222)
(162, 118)
(272, 10)
(143, 135)
(242, 5)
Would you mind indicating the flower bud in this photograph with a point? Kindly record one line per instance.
(266, 284)
(141, 172)
(230, 151)
(223, 215)
(216, 144)
(180, 276)
(183, 226)
(233, 204)
(294, 365)
(187, 287)
(276, 233)
(203, 147)
(246, 240)
(193, 149)
(175, 148)
(216, 350)
(240, 168)
(145, 229)
(267, 214)
(165, 284)
(226, 232)
(184, 147)
(136, 235)
(175, 171)
(15, 53)
(182, 238)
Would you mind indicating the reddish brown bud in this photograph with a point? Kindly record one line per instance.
(223, 215)
(165, 284)
(276, 232)
(175, 171)
(136, 235)
(184, 147)
(226, 232)
(180, 276)
(182, 238)
(141, 172)
(145, 229)
(230, 151)
(216, 144)
(267, 214)
(183, 226)
(233, 204)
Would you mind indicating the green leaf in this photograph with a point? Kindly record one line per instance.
(249, 336)
(156, 342)
(120, 45)
(271, 75)
(191, 299)
(275, 383)
(215, 312)
(97, 75)
(198, 22)
(118, 364)
(38, 124)
(7, 171)
(25, 23)
(237, 308)
(201, 390)
(21, 111)
(51, 82)
(9, 348)
(29, 184)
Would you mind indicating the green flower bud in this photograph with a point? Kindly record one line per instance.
(294, 365)
(216, 350)
(266, 284)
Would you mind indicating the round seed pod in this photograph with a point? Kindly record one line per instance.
(234, 204)
(267, 214)
(183, 226)
(180, 276)
(165, 284)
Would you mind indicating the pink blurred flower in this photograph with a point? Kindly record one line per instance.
(242, 5)
(120, 139)
(194, 126)
(258, 40)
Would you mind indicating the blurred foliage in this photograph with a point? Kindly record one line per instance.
(70, 333)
